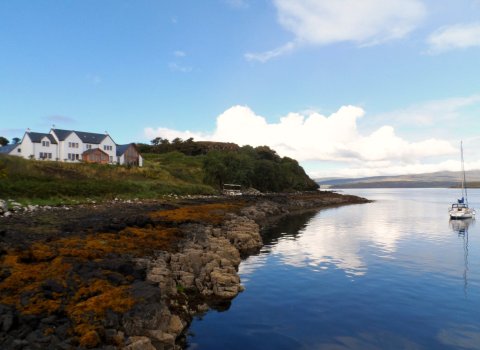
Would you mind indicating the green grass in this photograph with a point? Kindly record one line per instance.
(45, 182)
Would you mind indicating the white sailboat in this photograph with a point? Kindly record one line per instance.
(461, 210)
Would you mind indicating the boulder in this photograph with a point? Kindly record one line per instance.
(139, 343)
(3, 206)
(244, 234)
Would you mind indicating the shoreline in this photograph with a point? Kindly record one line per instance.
(167, 262)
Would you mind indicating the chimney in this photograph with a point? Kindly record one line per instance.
(28, 129)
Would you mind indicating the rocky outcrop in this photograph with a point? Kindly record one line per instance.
(205, 267)
(167, 285)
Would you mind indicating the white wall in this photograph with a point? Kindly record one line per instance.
(65, 148)
(112, 153)
(40, 148)
(27, 147)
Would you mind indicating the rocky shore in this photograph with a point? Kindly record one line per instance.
(130, 275)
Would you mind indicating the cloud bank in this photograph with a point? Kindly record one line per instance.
(460, 36)
(315, 137)
(323, 22)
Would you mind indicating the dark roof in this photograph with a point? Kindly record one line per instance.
(37, 137)
(8, 148)
(62, 134)
(86, 137)
(90, 137)
(121, 149)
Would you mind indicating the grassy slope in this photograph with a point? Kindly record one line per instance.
(43, 182)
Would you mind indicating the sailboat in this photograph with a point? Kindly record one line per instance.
(461, 210)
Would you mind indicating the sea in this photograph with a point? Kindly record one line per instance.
(392, 274)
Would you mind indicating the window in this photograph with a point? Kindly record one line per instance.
(19, 150)
(111, 159)
(73, 144)
(107, 148)
(49, 156)
(89, 146)
(45, 143)
(77, 156)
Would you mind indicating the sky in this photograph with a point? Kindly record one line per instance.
(349, 88)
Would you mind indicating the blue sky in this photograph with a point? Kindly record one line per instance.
(230, 70)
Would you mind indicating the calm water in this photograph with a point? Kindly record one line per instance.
(393, 274)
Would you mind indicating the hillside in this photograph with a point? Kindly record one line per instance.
(426, 180)
(58, 182)
(49, 182)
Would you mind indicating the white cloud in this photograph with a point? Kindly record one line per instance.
(175, 67)
(268, 55)
(366, 169)
(239, 4)
(460, 36)
(367, 22)
(432, 112)
(315, 137)
(179, 53)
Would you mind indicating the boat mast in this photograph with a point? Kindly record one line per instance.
(464, 180)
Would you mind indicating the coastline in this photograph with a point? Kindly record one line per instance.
(161, 262)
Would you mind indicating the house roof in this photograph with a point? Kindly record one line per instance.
(94, 150)
(86, 137)
(37, 137)
(90, 137)
(62, 134)
(121, 149)
(7, 149)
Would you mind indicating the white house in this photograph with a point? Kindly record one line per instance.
(74, 146)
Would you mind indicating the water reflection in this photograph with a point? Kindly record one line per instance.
(461, 228)
(392, 274)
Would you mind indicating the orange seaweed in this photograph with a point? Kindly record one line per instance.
(85, 302)
(208, 213)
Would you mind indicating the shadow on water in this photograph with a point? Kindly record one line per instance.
(291, 225)
(461, 228)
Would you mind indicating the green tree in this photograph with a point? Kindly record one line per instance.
(215, 169)
(16, 140)
(3, 141)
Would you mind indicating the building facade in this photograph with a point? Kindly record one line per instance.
(73, 146)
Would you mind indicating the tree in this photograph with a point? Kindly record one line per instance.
(15, 140)
(156, 141)
(3, 141)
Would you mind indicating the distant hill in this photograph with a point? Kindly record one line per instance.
(428, 180)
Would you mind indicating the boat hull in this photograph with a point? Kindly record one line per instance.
(462, 214)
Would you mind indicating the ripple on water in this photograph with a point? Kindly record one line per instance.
(393, 274)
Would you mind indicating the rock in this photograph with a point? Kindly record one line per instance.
(139, 343)
(6, 321)
(7, 214)
(19, 343)
(175, 325)
(244, 234)
(3, 206)
(158, 272)
(90, 340)
(162, 337)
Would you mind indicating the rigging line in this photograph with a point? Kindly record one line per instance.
(464, 180)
